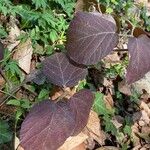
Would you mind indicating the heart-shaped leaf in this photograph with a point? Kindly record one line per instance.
(1, 51)
(91, 36)
(49, 124)
(61, 72)
(81, 103)
(139, 65)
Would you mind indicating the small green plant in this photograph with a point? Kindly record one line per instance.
(5, 133)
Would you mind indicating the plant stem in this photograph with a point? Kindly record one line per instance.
(13, 91)
(99, 8)
(9, 94)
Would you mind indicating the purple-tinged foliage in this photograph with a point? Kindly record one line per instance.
(81, 103)
(91, 36)
(139, 63)
(49, 124)
(61, 72)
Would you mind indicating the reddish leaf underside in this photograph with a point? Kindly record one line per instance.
(49, 124)
(1, 51)
(139, 63)
(61, 72)
(91, 36)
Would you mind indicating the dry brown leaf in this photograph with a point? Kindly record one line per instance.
(73, 142)
(137, 147)
(135, 130)
(23, 54)
(109, 101)
(19, 148)
(112, 58)
(145, 129)
(138, 31)
(145, 117)
(136, 116)
(93, 129)
(140, 129)
(124, 88)
(2, 81)
(145, 107)
(90, 143)
(13, 34)
(146, 3)
(80, 147)
(85, 5)
(117, 121)
(142, 84)
(56, 92)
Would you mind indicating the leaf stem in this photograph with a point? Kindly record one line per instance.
(13, 91)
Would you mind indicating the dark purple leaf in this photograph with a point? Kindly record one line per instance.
(49, 124)
(139, 64)
(81, 103)
(1, 51)
(36, 76)
(61, 72)
(91, 36)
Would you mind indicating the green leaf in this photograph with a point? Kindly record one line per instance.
(3, 33)
(114, 2)
(12, 66)
(44, 93)
(19, 112)
(109, 126)
(23, 103)
(5, 134)
(49, 49)
(127, 130)
(99, 105)
(109, 10)
(53, 36)
(40, 3)
(14, 102)
(81, 85)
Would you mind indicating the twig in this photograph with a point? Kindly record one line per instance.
(99, 8)
(8, 94)
(13, 91)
